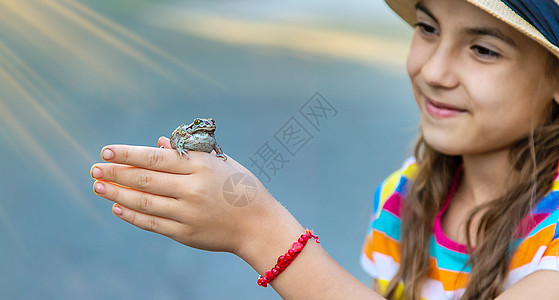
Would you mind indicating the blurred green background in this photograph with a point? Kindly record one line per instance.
(78, 75)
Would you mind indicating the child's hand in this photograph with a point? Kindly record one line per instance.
(157, 190)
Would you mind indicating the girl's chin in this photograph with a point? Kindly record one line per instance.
(447, 150)
(445, 146)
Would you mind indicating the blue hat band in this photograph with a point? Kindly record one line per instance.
(542, 14)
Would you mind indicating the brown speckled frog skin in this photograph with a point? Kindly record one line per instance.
(198, 136)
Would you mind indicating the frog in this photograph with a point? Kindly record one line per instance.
(198, 136)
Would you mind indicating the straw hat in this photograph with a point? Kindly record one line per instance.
(406, 10)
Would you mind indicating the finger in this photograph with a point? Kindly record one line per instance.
(147, 222)
(153, 182)
(164, 142)
(166, 160)
(140, 201)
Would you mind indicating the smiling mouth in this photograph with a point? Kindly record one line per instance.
(441, 110)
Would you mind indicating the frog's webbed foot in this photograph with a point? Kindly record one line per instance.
(219, 152)
(183, 151)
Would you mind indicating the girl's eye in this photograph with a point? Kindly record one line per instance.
(485, 52)
(426, 29)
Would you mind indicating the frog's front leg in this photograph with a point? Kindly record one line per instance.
(181, 149)
(219, 152)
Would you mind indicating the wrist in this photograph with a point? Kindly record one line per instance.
(286, 259)
(268, 237)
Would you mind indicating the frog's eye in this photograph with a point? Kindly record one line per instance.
(197, 121)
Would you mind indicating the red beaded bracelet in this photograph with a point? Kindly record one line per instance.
(285, 260)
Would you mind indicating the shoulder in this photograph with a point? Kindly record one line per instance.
(535, 263)
(380, 254)
(538, 249)
(395, 183)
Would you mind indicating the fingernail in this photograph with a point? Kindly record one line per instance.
(99, 188)
(107, 154)
(96, 173)
(117, 210)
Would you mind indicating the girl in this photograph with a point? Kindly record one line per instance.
(473, 216)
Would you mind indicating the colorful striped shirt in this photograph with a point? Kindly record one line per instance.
(449, 274)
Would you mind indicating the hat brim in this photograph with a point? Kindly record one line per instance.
(406, 10)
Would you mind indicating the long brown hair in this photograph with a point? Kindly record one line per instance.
(534, 160)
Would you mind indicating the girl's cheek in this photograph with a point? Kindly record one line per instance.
(415, 58)
(412, 66)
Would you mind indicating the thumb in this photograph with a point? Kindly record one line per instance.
(164, 142)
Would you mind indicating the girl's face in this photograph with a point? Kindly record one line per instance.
(480, 85)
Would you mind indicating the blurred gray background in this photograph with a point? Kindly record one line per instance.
(76, 75)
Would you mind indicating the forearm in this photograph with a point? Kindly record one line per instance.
(312, 275)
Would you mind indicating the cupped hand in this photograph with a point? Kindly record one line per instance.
(202, 201)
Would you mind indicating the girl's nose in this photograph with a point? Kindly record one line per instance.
(439, 69)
